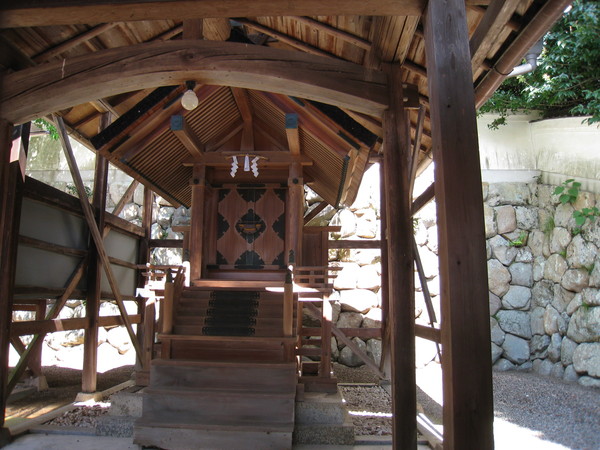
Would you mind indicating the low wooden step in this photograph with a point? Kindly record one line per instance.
(276, 378)
(177, 437)
(227, 407)
(227, 348)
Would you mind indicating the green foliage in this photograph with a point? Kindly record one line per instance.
(520, 241)
(567, 80)
(568, 191)
(563, 253)
(47, 126)
(548, 226)
(585, 214)
(71, 189)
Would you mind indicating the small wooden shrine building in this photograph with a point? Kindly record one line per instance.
(292, 93)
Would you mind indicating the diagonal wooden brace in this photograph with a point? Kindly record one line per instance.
(95, 232)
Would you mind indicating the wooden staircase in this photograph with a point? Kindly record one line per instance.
(226, 378)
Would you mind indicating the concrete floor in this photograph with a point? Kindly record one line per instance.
(83, 442)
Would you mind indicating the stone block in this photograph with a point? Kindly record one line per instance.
(506, 219)
(586, 359)
(517, 297)
(516, 349)
(498, 277)
(515, 322)
(555, 268)
(584, 325)
(521, 274)
(575, 280)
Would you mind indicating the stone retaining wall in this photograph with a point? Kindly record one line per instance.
(544, 295)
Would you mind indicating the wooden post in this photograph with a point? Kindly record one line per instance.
(197, 221)
(400, 264)
(325, 363)
(12, 153)
(466, 360)
(94, 276)
(295, 215)
(167, 306)
(385, 289)
(288, 305)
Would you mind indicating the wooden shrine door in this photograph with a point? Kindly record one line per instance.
(251, 227)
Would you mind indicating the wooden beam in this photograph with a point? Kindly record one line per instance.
(72, 283)
(193, 29)
(427, 195)
(414, 160)
(198, 184)
(466, 362)
(127, 196)
(73, 42)
(186, 136)
(154, 64)
(51, 326)
(291, 131)
(28, 13)
(93, 227)
(243, 103)
(216, 28)
(89, 376)
(315, 212)
(396, 155)
(488, 31)
(10, 214)
(354, 243)
(335, 32)
(165, 243)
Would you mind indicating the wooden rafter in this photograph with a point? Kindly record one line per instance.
(332, 31)
(496, 16)
(183, 132)
(24, 13)
(243, 103)
(149, 65)
(291, 131)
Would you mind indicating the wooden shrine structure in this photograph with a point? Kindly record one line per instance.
(292, 93)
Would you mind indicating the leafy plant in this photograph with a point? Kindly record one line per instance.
(569, 191)
(71, 189)
(567, 79)
(47, 126)
(520, 241)
(563, 253)
(584, 214)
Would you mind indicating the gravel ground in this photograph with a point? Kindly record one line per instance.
(531, 412)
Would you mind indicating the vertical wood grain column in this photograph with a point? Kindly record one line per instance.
(466, 361)
(13, 155)
(197, 221)
(295, 203)
(94, 277)
(400, 263)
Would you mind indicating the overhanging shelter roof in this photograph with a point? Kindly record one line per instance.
(83, 58)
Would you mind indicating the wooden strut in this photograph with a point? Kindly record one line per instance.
(91, 222)
(72, 283)
(346, 340)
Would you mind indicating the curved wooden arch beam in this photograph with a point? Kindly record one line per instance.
(47, 88)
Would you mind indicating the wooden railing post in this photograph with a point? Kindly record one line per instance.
(288, 304)
(167, 307)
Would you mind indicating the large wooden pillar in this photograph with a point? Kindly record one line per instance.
(13, 156)
(401, 321)
(295, 223)
(94, 278)
(197, 222)
(466, 361)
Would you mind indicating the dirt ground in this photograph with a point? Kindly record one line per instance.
(64, 385)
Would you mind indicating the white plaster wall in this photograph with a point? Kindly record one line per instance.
(556, 149)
